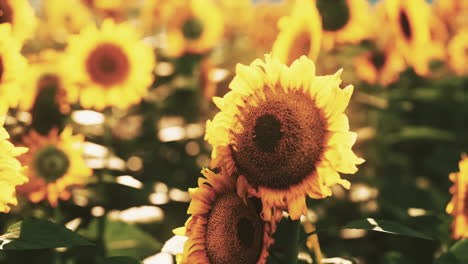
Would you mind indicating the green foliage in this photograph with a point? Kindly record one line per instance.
(40, 234)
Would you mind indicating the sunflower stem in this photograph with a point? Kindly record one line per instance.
(313, 242)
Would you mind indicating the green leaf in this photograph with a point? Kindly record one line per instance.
(386, 226)
(121, 260)
(285, 248)
(123, 239)
(457, 254)
(40, 234)
(420, 133)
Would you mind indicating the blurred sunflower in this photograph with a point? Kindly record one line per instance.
(112, 9)
(263, 26)
(343, 21)
(20, 14)
(12, 66)
(410, 22)
(300, 33)
(283, 130)
(44, 75)
(454, 13)
(458, 206)
(111, 66)
(194, 27)
(55, 165)
(154, 14)
(439, 37)
(11, 170)
(223, 228)
(236, 13)
(379, 66)
(458, 53)
(65, 17)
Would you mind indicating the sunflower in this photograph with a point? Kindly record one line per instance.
(11, 170)
(55, 165)
(458, 206)
(458, 53)
(453, 13)
(300, 34)
(12, 66)
(263, 26)
(237, 14)
(194, 27)
(20, 14)
(283, 131)
(343, 21)
(111, 66)
(379, 66)
(154, 14)
(65, 17)
(439, 36)
(44, 75)
(223, 228)
(411, 25)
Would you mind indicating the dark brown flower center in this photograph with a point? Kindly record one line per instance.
(108, 64)
(405, 25)
(378, 59)
(300, 46)
(6, 13)
(335, 14)
(234, 232)
(282, 140)
(51, 163)
(192, 28)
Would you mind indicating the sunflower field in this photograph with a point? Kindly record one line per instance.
(233, 132)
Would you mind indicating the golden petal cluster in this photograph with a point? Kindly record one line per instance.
(62, 18)
(350, 25)
(12, 66)
(109, 66)
(380, 66)
(20, 15)
(458, 205)
(223, 228)
(457, 53)
(410, 21)
(300, 33)
(55, 165)
(11, 171)
(283, 130)
(45, 72)
(194, 27)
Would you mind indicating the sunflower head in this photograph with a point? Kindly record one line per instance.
(343, 21)
(45, 77)
(195, 27)
(65, 17)
(110, 66)
(12, 66)
(410, 21)
(55, 165)
(458, 53)
(11, 171)
(300, 34)
(458, 206)
(379, 66)
(283, 131)
(223, 228)
(20, 15)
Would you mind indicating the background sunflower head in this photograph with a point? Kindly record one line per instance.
(55, 165)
